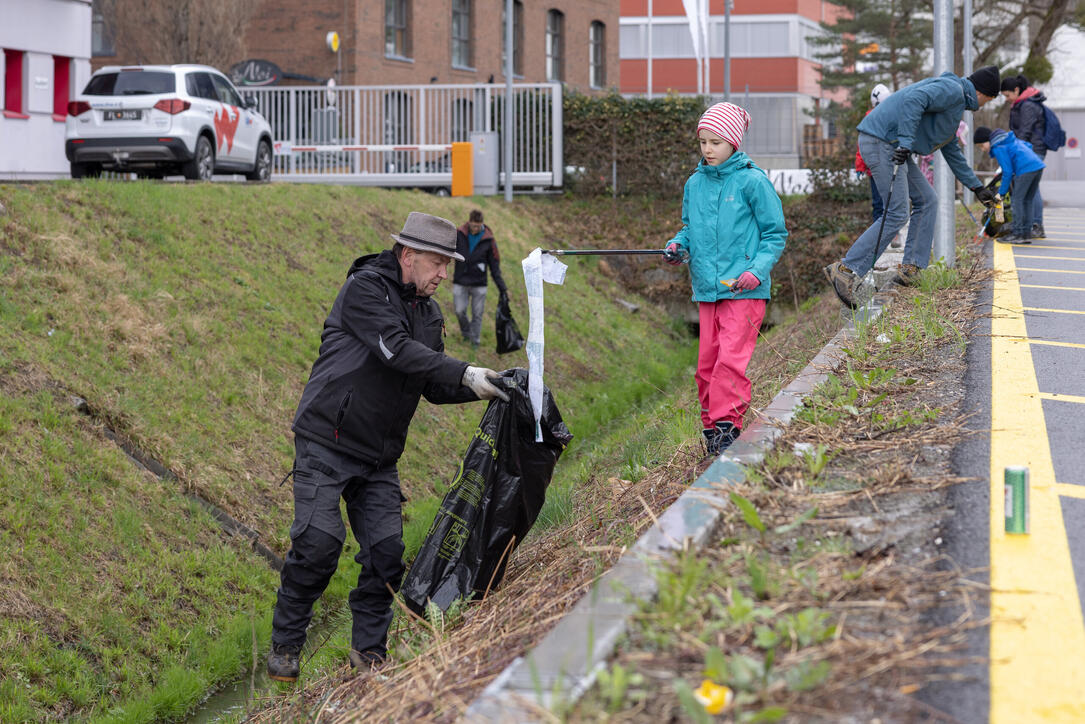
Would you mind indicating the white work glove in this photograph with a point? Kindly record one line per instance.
(478, 379)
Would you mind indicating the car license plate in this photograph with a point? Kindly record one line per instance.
(122, 115)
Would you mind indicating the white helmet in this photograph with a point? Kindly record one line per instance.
(879, 94)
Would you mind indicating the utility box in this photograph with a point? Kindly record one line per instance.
(487, 161)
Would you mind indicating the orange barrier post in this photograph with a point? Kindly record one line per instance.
(463, 177)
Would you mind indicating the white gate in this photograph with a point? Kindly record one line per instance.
(402, 135)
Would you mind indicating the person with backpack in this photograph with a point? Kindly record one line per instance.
(1021, 168)
(1029, 123)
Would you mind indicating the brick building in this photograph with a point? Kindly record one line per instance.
(774, 71)
(440, 41)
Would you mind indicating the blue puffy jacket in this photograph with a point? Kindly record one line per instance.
(733, 222)
(1014, 156)
(924, 117)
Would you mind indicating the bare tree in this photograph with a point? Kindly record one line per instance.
(179, 31)
(998, 20)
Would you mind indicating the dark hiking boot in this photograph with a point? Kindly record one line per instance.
(1013, 239)
(711, 441)
(1037, 232)
(367, 660)
(283, 663)
(844, 283)
(907, 275)
(726, 433)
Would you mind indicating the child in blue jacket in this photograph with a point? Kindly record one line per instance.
(1022, 168)
(733, 233)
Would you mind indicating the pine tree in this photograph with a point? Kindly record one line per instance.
(874, 41)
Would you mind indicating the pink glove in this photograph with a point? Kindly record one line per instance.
(673, 254)
(745, 281)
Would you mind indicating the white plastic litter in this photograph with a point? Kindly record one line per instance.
(538, 268)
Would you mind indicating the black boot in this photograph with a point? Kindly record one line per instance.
(711, 441)
(726, 433)
(283, 662)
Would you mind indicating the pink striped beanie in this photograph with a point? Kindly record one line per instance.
(727, 121)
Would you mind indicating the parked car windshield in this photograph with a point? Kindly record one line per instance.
(131, 83)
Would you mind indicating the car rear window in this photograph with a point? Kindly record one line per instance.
(131, 83)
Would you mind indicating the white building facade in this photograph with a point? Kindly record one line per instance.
(45, 49)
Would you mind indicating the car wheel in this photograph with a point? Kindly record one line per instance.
(442, 191)
(202, 165)
(86, 170)
(261, 169)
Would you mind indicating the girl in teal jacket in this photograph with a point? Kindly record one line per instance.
(733, 233)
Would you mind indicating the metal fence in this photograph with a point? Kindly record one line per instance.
(402, 135)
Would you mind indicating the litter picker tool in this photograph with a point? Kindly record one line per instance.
(881, 229)
(600, 252)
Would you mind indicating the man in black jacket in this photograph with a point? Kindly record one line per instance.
(1028, 123)
(475, 243)
(380, 351)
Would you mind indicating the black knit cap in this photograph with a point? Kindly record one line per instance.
(982, 135)
(986, 80)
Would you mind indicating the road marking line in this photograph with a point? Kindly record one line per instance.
(1031, 257)
(1057, 344)
(1037, 647)
(1046, 286)
(1054, 271)
(1070, 490)
(1048, 246)
(1060, 397)
(1055, 311)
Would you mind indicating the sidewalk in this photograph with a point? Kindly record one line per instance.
(1035, 378)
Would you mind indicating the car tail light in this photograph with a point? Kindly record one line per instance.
(172, 106)
(77, 108)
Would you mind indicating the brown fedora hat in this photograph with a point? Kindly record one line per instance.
(429, 233)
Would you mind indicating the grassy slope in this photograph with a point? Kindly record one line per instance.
(188, 317)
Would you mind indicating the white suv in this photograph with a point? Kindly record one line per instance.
(158, 120)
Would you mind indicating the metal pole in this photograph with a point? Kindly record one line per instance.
(727, 50)
(507, 123)
(966, 70)
(706, 35)
(649, 49)
(944, 245)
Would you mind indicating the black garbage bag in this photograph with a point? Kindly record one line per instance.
(994, 228)
(492, 502)
(509, 338)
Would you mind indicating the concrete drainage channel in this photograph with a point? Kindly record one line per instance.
(563, 666)
(229, 525)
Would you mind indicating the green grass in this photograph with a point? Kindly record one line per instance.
(188, 317)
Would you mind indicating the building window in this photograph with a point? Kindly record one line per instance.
(555, 42)
(62, 86)
(13, 84)
(397, 30)
(461, 34)
(517, 38)
(597, 37)
(101, 32)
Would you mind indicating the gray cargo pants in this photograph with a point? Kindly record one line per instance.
(374, 508)
(472, 330)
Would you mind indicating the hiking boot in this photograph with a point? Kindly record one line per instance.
(726, 433)
(1037, 232)
(282, 662)
(907, 275)
(844, 283)
(1012, 239)
(711, 440)
(367, 659)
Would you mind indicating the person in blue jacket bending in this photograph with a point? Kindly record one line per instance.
(732, 233)
(1022, 168)
(920, 118)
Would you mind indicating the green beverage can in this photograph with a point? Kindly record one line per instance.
(1016, 477)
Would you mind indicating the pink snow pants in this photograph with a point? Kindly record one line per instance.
(729, 330)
